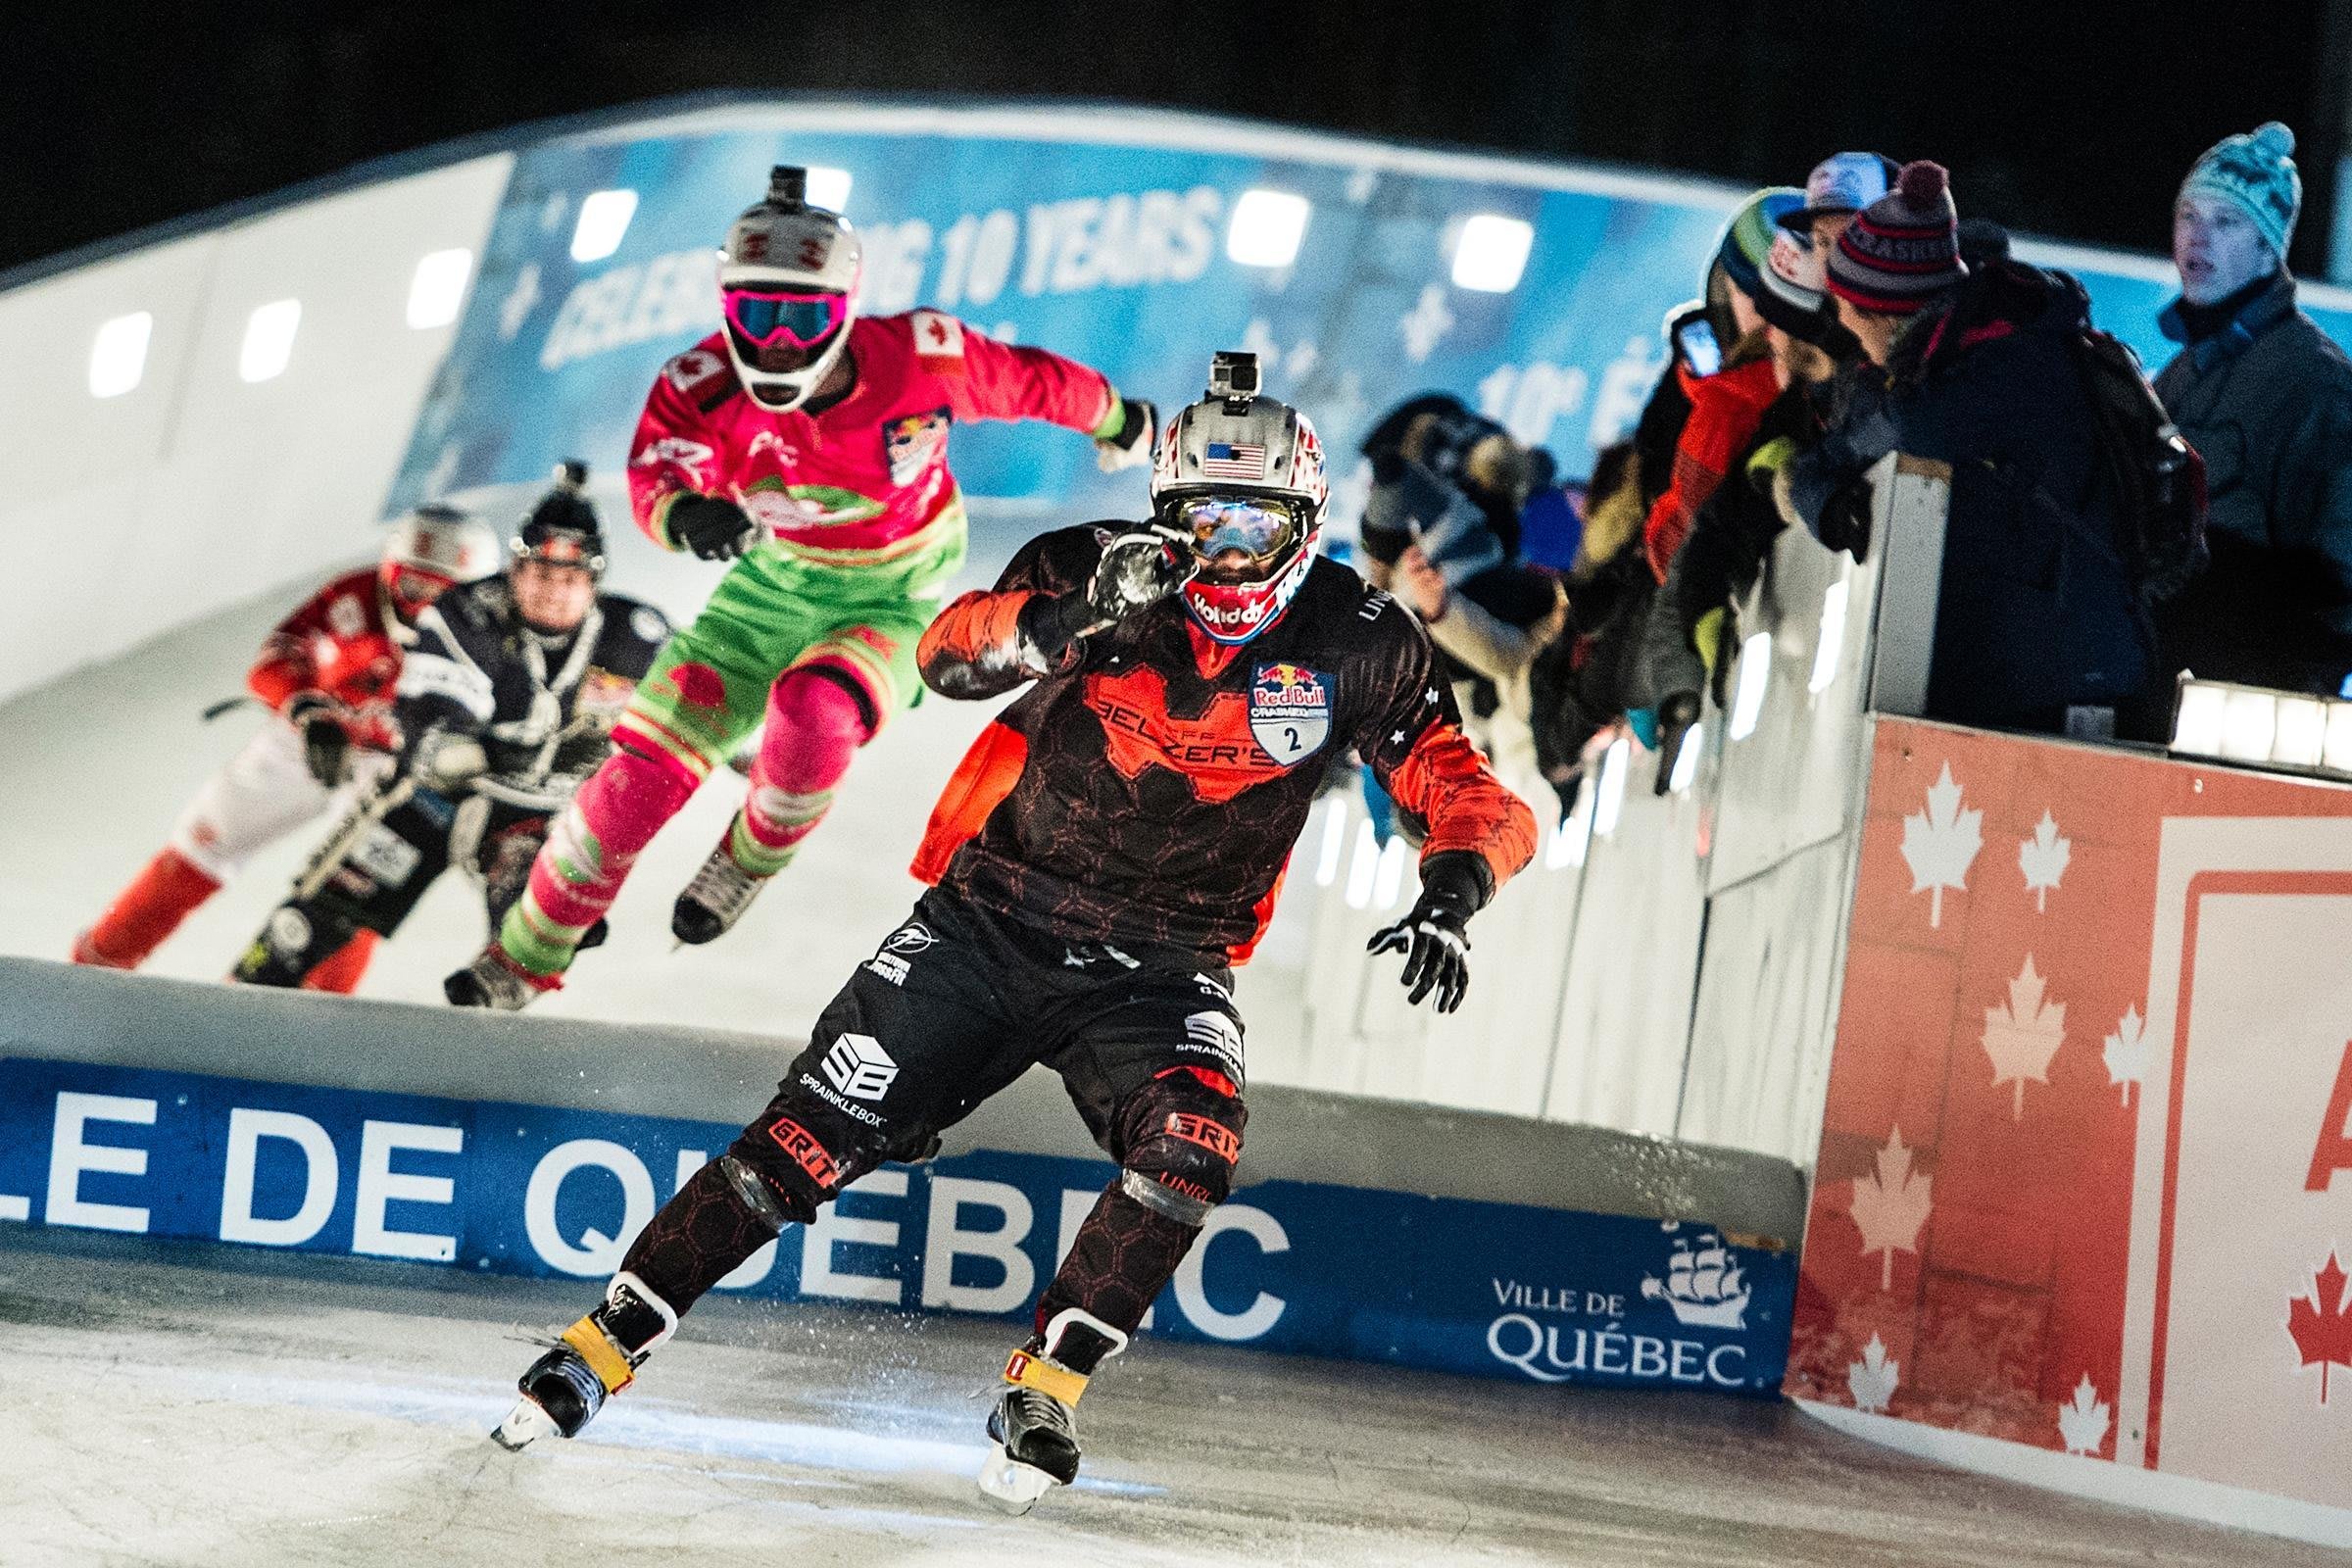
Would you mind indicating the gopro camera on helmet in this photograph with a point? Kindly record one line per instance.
(1233, 376)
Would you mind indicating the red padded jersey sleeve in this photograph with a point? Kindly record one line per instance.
(1420, 756)
(986, 379)
(289, 662)
(676, 447)
(974, 647)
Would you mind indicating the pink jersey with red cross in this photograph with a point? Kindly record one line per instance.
(867, 478)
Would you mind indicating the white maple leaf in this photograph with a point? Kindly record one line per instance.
(2126, 1052)
(1941, 843)
(1426, 323)
(1872, 1379)
(2023, 1035)
(2083, 1422)
(1889, 1207)
(2043, 857)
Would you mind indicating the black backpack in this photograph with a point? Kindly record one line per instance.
(2158, 477)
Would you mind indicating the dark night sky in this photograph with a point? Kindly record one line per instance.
(2075, 120)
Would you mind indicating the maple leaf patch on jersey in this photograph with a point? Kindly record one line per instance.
(1290, 711)
(914, 442)
(693, 369)
(938, 342)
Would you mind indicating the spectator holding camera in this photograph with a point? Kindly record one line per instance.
(2039, 623)
(2266, 399)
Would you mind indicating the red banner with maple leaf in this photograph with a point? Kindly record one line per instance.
(2085, 1174)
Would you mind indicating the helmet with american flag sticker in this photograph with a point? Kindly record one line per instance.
(1242, 477)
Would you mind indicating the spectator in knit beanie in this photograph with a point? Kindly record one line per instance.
(1840, 187)
(2039, 625)
(2265, 397)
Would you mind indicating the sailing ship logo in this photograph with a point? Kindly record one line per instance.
(1704, 1286)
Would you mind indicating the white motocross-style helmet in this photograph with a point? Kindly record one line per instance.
(432, 549)
(1242, 477)
(788, 288)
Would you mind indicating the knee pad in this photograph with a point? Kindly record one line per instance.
(1181, 1139)
(818, 716)
(781, 1167)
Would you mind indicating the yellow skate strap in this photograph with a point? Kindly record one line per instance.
(603, 1358)
(1035, 1372)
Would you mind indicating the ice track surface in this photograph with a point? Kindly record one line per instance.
(192, 1403)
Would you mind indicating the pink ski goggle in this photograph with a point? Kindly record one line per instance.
(803, 320)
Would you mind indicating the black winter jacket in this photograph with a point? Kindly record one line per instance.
(2037, 610)
(2267, 402)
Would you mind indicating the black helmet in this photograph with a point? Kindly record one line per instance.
(562, 529)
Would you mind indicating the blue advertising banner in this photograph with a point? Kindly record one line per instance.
(1137, 252)
(1120, 256)
(1484, 1288)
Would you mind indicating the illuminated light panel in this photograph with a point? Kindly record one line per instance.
(269, 346)
(1334, 840)
(1571, 835)
(2336, 751)
(1362, 865)
(829, 188)
(604, 218)
(2197, 727)
(1491, 253)
(1832, 645)
(1755, 674)
(1266, 227)
(2249, 722)
(438, 288)
(1609, 791)
(1685, 760)
(2300, 737)
(119, 353)
(1387, 885)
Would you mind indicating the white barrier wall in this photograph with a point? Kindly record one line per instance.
(1668, 964)
(228, 455)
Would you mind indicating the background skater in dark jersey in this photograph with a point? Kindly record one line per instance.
(1110, 849)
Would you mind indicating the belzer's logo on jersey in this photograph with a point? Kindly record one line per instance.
(1290, 711)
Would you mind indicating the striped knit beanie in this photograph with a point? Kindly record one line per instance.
(1903, 249)
(2256, 173)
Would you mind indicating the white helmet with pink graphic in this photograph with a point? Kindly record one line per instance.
(787, 285)
(1242, 477)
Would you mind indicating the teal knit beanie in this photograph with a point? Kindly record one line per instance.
(2256, 174)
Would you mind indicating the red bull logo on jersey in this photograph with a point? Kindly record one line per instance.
(1290, 711)
(913, 442)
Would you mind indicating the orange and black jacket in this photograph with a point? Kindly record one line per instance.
(1147, 787)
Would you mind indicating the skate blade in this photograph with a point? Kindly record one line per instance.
(1010, 1484)
(525, 1424)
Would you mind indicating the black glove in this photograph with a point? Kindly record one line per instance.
(713, 528)
(1137, 570)
(325, 747)
(1433, 934)
(1138, 423)
(1677, 713)
(1846, 520)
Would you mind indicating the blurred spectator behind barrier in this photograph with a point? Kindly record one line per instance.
(1723, 370)
(2039, 610)
(1689, 622)
(1448, 487)
(2265, 398)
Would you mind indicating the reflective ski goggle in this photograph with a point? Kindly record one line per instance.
(1261, 530)
(802, 320)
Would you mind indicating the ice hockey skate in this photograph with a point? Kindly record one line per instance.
(1033, 1431)
(716, 898)
(495, 981)
(590, 1361)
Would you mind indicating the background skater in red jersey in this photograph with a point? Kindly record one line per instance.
(1108, 851)
(328, 673)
